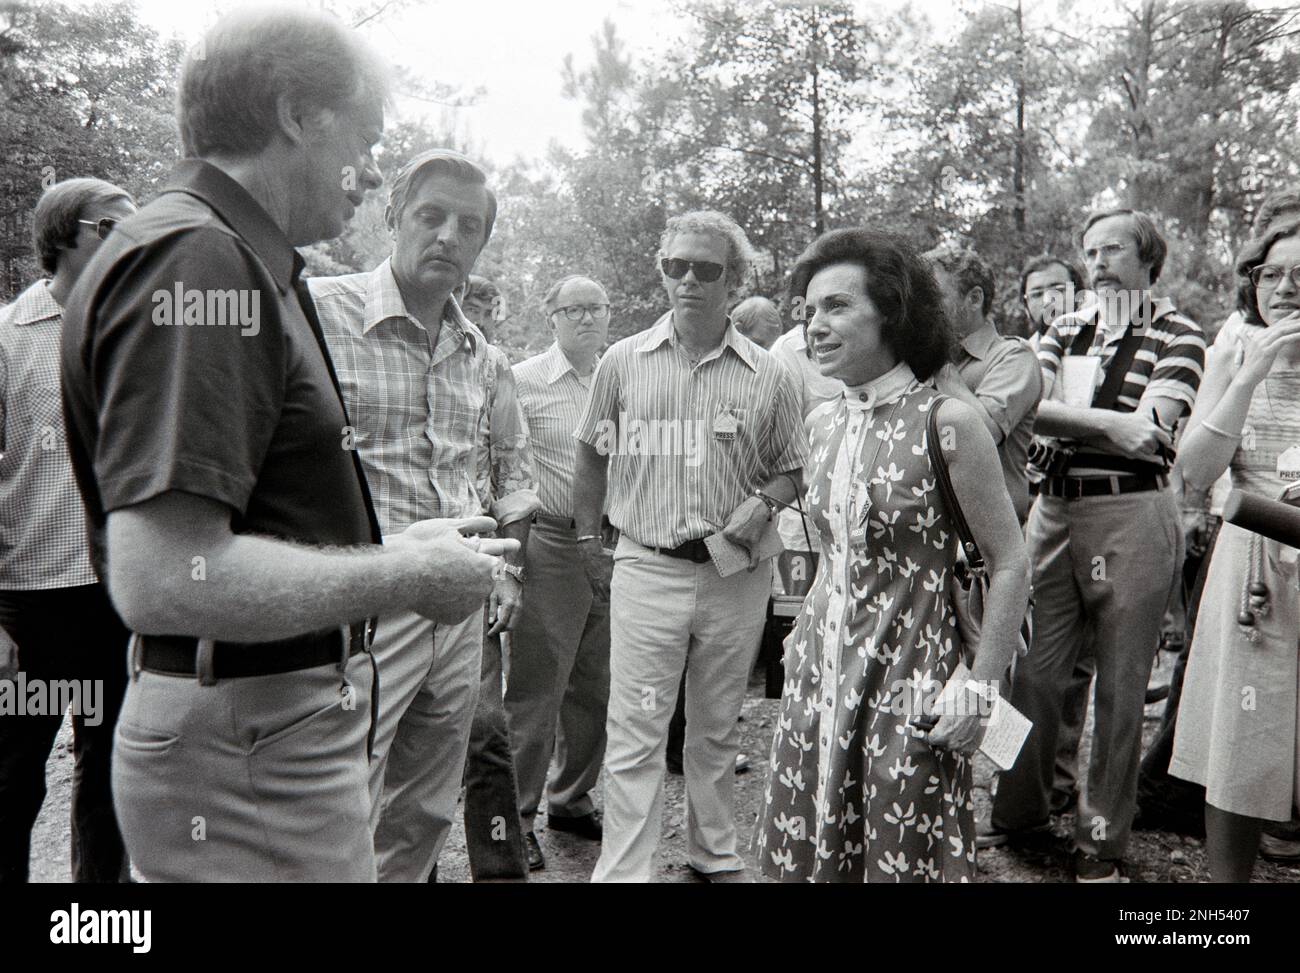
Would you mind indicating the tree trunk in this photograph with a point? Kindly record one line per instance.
(819, 223)
(1018, 163)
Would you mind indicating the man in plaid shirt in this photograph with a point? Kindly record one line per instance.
(418, 381)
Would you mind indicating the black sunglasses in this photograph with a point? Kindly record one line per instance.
(706, 272)
(102, 227)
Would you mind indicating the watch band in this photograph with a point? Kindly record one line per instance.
(515, 571)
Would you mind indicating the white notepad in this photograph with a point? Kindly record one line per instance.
(731, 558)
(1079, 379)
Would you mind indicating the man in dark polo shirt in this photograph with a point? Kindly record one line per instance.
(227, 508)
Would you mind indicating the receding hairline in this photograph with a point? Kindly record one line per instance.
(1131, 224)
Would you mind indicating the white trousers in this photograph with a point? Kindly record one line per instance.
(667, 614)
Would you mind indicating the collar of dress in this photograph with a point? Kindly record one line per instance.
(886, 389)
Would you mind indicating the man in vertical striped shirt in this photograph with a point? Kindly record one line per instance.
(559, 662)
(1105, 535)
(696, 419)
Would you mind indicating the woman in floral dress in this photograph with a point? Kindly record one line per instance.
(855, 792)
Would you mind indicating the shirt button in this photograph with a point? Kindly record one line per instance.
(839, 590)
(837, 508)
(862, 396)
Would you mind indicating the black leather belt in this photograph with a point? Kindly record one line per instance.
(178, 655)
(1076, 487)
(696, 551)
(563, 523)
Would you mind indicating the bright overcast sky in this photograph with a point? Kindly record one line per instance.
(513, 49)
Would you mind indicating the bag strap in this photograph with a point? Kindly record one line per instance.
(974, 559)
(1117, 371)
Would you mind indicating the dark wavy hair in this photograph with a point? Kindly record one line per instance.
(899, 283)
(1254, 253)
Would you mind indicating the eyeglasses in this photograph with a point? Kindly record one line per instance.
(575, 312)
(706, 272)
(102, 227)
(1268, 277)
(1108, 250)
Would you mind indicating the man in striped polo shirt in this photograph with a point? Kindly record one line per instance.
(697, 418)
(559, 661)
(1105, 534)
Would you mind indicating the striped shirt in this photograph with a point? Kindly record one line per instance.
(689, 442)
(1169, 362)
(43, 541)
(424, 421)
(553, 396)
(791, 350)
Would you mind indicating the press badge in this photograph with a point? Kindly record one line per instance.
(725, 426)
(1288, 464)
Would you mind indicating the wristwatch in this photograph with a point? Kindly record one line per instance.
(515, 571)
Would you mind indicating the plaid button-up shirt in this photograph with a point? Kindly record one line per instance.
(436, 421)
(43, 541)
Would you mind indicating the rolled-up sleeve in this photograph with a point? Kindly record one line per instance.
(602, 404)
(514, 493)
(787, 447)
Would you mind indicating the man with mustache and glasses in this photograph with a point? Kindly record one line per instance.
(1117, 376)
(697, 382)
(418, 381)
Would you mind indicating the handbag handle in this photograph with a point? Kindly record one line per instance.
(974, 559)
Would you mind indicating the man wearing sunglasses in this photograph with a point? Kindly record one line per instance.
(697, 418)
(56, 622)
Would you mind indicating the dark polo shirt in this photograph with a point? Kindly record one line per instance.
(191, 363)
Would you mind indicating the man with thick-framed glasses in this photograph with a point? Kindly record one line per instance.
(558, 690)
(694, 419)
(56, 620)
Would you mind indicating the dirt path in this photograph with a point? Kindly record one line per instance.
(1152, 856)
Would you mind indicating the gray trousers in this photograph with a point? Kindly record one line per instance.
(262, 779)
(1104, 569)
(557, 690)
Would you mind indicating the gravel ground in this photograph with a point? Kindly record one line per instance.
(1152, 856)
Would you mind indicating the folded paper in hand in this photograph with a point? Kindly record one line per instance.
(1005, 727)
(729, 558)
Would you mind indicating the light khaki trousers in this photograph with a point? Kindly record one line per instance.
(428, 687)
(667, 614)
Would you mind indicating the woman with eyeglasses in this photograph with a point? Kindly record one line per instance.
(1237, 723)
(864, 788)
